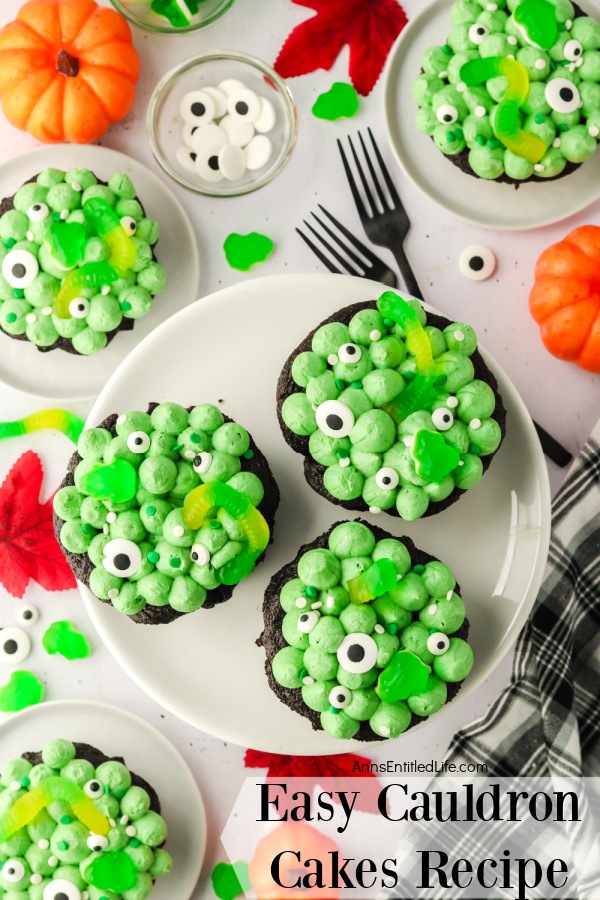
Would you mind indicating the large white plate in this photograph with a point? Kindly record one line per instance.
(146, 752)
(58, 375)
(476, 200)
(228, 349)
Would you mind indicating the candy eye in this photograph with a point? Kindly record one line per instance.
(447, 114)
(197, 108)
(438, 643)
(339, 697)
(28, 615)
(15, 646)
(61, 890)
(387, 479)
(442, 419)
(129, 225)
(478, 33)
(93, 789)
(138, 442)
(20, 267)
(477, 262)
(572, 50)
(307, 621)
(200, 554)
(122, 558)
(357, 653)
(334, 419)
(79, 307)
(244, 105)
(13, 870)
(39, 211)
(562, 95)
(202, 463)
(349, 353)
(97, 843)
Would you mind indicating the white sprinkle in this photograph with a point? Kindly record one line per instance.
(475, 424)
(556, 142)
(461, 463)
(330, 602)
(124, 820)
(399, 577)
(449, 595)
(315, 406)
(112, 823)
(179, 531)
(30, 318)
(569, 24)
(332, 359)
(106, 289)
(64, 214)
(375, 335)
(540, 64)
(76, 186)
(111, 517)
(512, 40)
(344, 461)
(121, 420)
(15, 786)
(113, 594)
(461, 87)
(85, 896)
(189, 454)
(35, 879)
(301, 602)
(538, 167)
(379, 629)
(384, 730)
(452, 402)
(459, 336)
(105, 529)
(308, 680)
(480, 111)
(510, 55)
(131, 831)
(443, 74)
(492, 7)
(43, 844)
(52, 861)
(47, 311)
(432, 609)
(578, 62)
(408, 440)
(316, 605)
(30, 236)
(375, 510)
(593, 131)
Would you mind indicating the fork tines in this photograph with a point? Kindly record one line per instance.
(392, 201)
(350, 261)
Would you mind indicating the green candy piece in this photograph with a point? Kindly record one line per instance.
(63, 638)
(537, 18)
(115, 481)
(405, 675)
(433, 457)
(229, 881)
(242, 251)
(21, 690)
(339, 102)
(113, 871)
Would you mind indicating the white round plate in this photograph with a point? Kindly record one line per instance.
(146, 752)
(475, 200)
(228, 349)
(58, 375)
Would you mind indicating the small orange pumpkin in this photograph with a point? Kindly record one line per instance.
(289, 839)
(565, 298)
(68, 70)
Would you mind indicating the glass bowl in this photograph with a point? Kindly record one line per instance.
(209, 70)
(140, 13)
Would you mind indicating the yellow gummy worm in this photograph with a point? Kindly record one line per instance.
(59, 419)
(26, 808)
(107, 224)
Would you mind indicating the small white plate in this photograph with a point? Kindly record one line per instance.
(229, 349)
(58, 375)
(475, 200)
(146, 752)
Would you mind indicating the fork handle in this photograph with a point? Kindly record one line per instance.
(408, 276)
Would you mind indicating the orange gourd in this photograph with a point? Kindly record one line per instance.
(565, 298)
(68, 70)
(289, 839)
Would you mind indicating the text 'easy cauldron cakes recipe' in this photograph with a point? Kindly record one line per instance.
(514, 93)
(77, 261)
(393, 409)
(165, 511)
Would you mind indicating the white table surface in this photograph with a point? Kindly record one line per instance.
(560, 396)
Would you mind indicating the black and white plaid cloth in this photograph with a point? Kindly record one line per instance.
(546, 724)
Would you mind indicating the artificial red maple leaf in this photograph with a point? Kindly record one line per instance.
(28, 547)
(369, 27)
(332, 773)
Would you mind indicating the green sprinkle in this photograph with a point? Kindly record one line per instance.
(175, 562)
(340, 385)
(134, 842)
(153, 557)
(451, 137)
(493, 144)
(87, 528)
(409, 376)
(419, 569)
(475, 450)
(388, 323)
(25, 782)
(11, 317)
(357, 385)
(392, 628)
(480, 140)
(303, 673)
(19, 293)
(62, 845)
(341, 454)
(563, 127)
(150, 510)
(195, 438)
(214, 523)
(65, 820)
(106, 790)
(56, 217)
(334, 710)
(249, 454)
(310, 591)
(125, 305)
(447, 49)
(119, 794)
(539, 118)
(459, 133)
(9, 242)
(177, 447)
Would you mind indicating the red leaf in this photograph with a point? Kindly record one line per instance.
(28, 548)
(369, 27)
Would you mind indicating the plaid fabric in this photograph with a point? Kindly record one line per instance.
(546, 724)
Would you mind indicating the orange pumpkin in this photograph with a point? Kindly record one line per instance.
(565, 299)
(68, 70)
(297, 837)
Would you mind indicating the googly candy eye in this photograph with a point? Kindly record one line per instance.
(232, 162)
(243, 104)
(562, 95)
(138, 442)
(220, 100)
(122, 557)
(438, 643)
(15, 646)
(19, 268)
(258, 152)
(188, 133)
(200, 554)
(478, 33)
(387, 479)
(339, 697)
(477, 262)
(447, 114)
(28, 615)
(60, 889)
(186, 157)
(93, 789)
(572, 50)
(197, 108)
(442, 419)
(13, 870)
(349, 353)
(357, 653)
(307, 621)
(267, 118)
(97, 843)
(202, 462)
(79, 307)
(238, 132)
(38, 212)
(129, 225)
(334, 418)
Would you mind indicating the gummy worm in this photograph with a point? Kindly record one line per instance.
(207, 497)
(26, 808)
(59, 419)
(90, 275)
(507, 126)
(378, 579)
